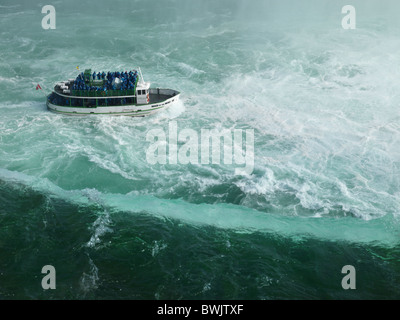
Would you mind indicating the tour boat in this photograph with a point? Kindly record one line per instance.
(111, 93)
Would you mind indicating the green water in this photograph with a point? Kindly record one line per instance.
(78, 193)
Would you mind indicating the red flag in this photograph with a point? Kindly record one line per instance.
(38, 87)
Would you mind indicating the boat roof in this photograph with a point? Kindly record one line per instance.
(143, 85)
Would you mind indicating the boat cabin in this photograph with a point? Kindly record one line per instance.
(143, 92)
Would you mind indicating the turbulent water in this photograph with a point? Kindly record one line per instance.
(79, 193)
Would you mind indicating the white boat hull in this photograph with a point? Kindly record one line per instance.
(124, 110)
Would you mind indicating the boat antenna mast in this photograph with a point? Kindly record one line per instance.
(141, 76)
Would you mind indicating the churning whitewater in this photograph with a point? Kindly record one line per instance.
(318, 186)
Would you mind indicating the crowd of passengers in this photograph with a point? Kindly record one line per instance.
(128, 81)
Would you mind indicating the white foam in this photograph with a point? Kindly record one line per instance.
(188, 69)
(89, 280)
(100, 227)
(157, 247)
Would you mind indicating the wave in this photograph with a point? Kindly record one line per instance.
(381, 231)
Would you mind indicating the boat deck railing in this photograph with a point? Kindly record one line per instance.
(156, 95)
